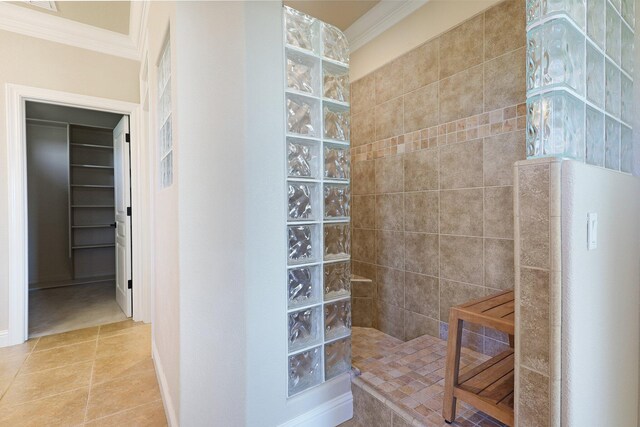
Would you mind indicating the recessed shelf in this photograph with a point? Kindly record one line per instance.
(92, 206)
(106, 187)
(101, 147)
(106, 245)
(91, 166)
(93, 226)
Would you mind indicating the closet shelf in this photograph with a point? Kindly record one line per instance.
(92, 206)
(105, 245)
(93, 226)
(73, 165)
(106, 187)
(102, 147)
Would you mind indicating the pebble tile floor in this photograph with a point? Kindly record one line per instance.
(411, 375)
(97, 376)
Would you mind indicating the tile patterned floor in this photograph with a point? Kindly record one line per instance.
(98, 376)
(411, 375)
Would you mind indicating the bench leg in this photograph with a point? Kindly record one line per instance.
(511, 341)
(452, 367)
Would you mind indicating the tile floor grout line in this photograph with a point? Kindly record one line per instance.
(124, 410)
(93, 366)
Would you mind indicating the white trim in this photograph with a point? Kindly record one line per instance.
(169, 410)
(138, 18)
(331, 413)
(32, 23)
(48, 5)
(17, 198)
(4, 338)
(379, 19)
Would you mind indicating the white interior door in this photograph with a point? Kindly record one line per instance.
(122, 184)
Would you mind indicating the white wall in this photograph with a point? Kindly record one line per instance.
(601, 298)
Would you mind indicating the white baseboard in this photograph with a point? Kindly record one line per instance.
(331, 413)
(4, 338)
(169, 410)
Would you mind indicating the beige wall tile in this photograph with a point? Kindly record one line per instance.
(461, 165)
(504, 28)
(363, 178)
(420, 66)
(364, 289)
(363, 94)
(421, 108)
(421, 211)
(461, 47)
(460, 212)
(505, 80)
(416, 325)
(534, 319)
(461, 259)
(492, 347)
(362, 312)
(364, 269)
(421, 170)
(461, 95)
(390, 249)
(388, 81)
(498, 264)
(421, 253)
(390, 211)
(390, 319)
(363, 210)
(534, 399)
(389, 119)
(533, 202)
(498, 212)
(500, 153)
(422, 295)
(363, 245)
(455, 293)
(390, 283)
(363, 128)
(389, 174)
(367, 410)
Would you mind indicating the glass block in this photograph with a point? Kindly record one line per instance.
(303, 243)
(595, 21)
(337, 319)
(626, 49)
(336, 122)
(626, 149)
(302, 201)
(337, 241)
(563, 53)
(337, 163)
(613, 34)
(594, 137)
(612, 89)
(562, 126)
(303, 158)
(335, 44)
(572, 8)
(626, 99)
(304, 285)
(166, 137)
(302, 30)
(534, 59)
(337, 201)
(335, 82)
(303, 115)
(337, 280)
(612, 144)
(533, 10)
(629, 12)
(305, 370)
(595, 76)
(534, 135)
(303, 73)
(337, 358)
(304, 328)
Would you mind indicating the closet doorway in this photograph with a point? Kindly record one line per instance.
(79, 218)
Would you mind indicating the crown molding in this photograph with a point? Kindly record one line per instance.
(379, 19)
(60, 30)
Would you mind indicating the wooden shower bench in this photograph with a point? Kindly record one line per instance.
(489, 386)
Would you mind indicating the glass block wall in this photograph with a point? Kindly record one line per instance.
(579, 80)
(318, 193)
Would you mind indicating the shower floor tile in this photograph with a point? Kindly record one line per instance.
(411, 375)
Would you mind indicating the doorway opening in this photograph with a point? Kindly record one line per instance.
(78, 218)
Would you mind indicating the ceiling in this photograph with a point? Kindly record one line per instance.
(341, 13)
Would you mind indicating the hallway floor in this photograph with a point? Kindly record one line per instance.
(98, 376)
(68, 308)
(410, 375)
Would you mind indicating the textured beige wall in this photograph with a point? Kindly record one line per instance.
(39, 63)
(432, 19)
(434, 136)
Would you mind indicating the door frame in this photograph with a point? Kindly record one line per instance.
(16, 97)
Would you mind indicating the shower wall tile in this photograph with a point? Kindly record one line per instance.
(534, 319)
(447, 151)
